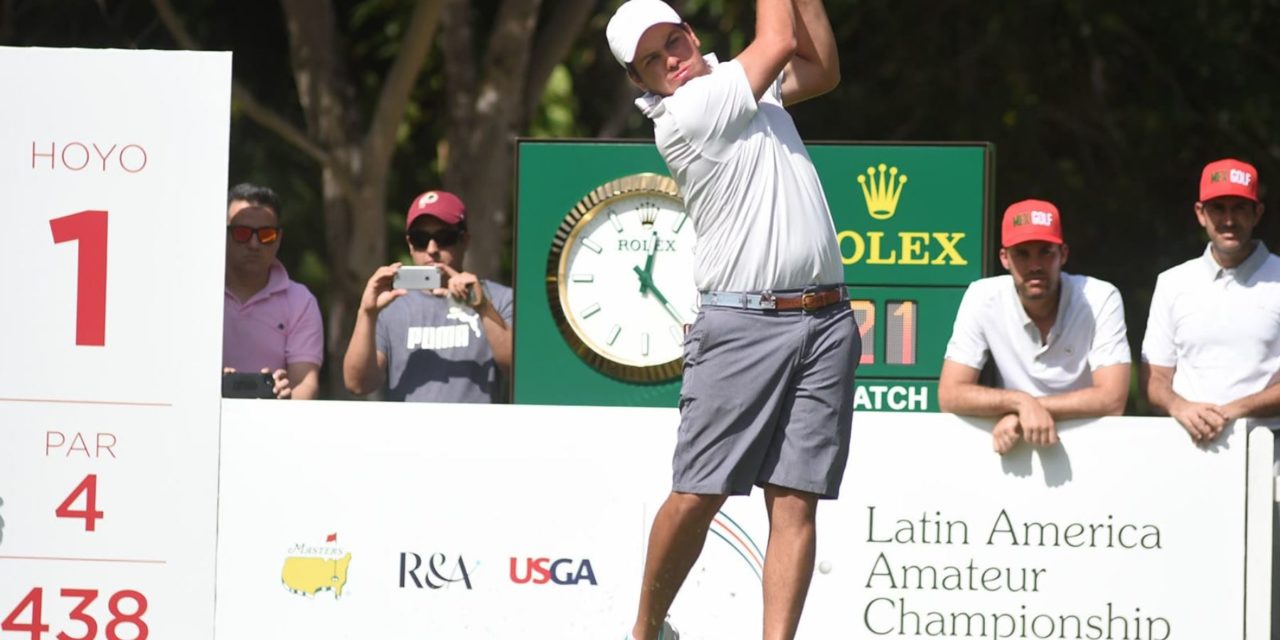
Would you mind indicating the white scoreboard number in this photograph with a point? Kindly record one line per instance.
(113, 170)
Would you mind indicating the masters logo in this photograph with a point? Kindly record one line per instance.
(308, 570)
(882, 190)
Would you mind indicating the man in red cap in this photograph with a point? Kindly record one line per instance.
(450, 344)
(1212, 349)
(1057, 339)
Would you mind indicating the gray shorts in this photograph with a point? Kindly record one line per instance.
(767, 398)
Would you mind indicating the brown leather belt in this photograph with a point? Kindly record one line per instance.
(807, 301)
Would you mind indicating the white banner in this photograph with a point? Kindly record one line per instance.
(113, 168)
(355, 520)
(1127, 530)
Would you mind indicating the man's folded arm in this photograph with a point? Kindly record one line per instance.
(1106, 397)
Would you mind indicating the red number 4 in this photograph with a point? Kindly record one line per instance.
(90, 514)
(36, 626)
(90, 228)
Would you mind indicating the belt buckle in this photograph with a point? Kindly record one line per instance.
(809, 301)
(768, 300)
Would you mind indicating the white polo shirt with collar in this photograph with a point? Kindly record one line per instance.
(1088, 334)
(1219, 328)
(748, 184)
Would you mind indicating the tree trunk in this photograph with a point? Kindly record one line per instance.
(485, 116)
(354, 178)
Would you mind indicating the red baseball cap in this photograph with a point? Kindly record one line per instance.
(437, 204)
(1030, 220)
(1229, 177)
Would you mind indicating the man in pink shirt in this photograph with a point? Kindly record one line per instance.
(269, 322)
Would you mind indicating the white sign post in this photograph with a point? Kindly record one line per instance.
(113, 170)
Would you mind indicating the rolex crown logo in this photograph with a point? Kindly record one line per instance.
(882, 194)
(648, 213)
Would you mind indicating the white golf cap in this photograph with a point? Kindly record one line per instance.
(630, 22)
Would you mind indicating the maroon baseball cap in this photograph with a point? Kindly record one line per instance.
(443, 205)
(1228, 177)
(1030, 220)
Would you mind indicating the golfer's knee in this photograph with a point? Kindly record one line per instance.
(694, 506)
(791, 508)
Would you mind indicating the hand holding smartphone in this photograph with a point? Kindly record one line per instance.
(415, 277)
(248, 385)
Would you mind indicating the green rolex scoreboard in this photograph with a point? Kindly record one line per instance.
(604, 266)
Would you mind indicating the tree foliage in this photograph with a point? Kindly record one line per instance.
(1107, 109)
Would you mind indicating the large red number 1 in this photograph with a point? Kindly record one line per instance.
(90, 228)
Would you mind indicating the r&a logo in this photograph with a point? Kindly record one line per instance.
(439, 572)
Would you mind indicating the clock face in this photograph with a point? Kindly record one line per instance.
(622, 286)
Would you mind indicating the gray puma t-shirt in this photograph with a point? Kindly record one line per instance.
(436, 349)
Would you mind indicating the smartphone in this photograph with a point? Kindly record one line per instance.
(248, 385)
(417, 278)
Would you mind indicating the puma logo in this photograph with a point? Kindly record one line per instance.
(470, 318)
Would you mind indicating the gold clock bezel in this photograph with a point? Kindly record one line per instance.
(570, 228)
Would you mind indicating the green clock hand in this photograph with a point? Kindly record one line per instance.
(646, 282)
(648, 265)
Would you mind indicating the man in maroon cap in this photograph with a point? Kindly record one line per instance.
(451, 344)
(1212, 349)
(1057, 339)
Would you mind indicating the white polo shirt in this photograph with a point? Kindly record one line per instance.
(747, 182)
(1220, 328)
(1088, 334)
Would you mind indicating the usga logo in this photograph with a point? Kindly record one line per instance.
(882, 189)
(564, 571)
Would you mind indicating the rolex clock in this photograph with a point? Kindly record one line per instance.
(620, 278)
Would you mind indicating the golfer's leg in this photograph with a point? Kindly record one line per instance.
(675, 541)
(788, 561)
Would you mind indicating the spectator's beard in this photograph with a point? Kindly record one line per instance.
(1037, 287)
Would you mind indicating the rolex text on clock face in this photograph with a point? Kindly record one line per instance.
(627, 279)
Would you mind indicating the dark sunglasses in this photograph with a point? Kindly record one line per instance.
(444, 238)
(242, 233)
